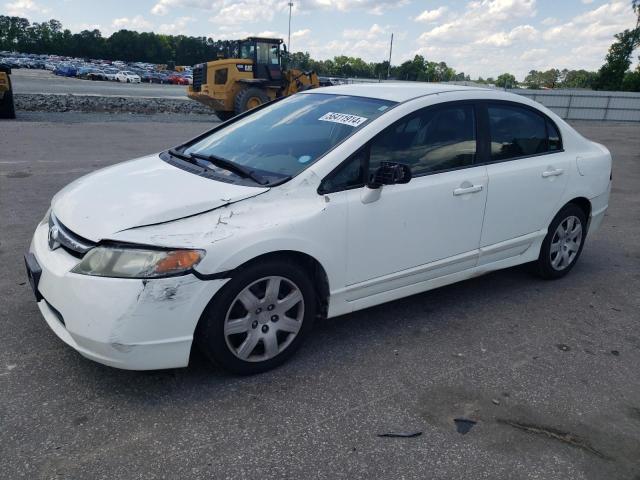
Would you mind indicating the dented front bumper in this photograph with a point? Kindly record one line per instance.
(125, 323)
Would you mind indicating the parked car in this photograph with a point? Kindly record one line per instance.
(316, 205)
(125, 76)
(110, 74)
(146, 77)
(178, 79)
(90, 73)
(96, 74)
(161, 77)
(65, 70)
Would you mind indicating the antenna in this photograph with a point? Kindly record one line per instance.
(390, 50)
(289, 40)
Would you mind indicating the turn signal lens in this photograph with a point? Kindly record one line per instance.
(178, 261)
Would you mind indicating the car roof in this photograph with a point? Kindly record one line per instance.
(394, 91)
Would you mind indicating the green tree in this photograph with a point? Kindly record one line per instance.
(577, 79)
(617, 61)
(301, 60)
(631, 81)
(612, 74)
(506, 80)
(548, 79)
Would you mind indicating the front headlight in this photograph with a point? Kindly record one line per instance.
(121, 262)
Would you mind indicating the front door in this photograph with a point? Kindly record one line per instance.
(429, 227)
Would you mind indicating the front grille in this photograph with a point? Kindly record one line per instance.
(199, 76)
(59, 235)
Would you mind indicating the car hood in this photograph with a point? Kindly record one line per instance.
(139, 192)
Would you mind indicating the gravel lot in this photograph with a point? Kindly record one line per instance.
(549, 370)
(43, 81)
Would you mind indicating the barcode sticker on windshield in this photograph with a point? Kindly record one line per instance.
(344, 118)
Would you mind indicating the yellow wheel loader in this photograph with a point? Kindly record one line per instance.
(247, 74)
(7, 109)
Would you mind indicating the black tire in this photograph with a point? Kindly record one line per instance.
(224, 116)
(210, 336)
(544, 265)
(7, 108)
(246, 96)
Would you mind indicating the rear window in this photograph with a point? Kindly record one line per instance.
(519, 132)
(286, 137)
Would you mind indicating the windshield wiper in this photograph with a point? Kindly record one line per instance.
(231, 166)
(175, 153)
(222, 163)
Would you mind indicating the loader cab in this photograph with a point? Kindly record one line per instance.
(266, 56)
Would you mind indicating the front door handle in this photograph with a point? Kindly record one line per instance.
(465, 190)
(552, 172)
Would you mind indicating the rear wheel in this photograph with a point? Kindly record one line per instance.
(7, 108)
(259, 318)
(249, 98)
(563, 244)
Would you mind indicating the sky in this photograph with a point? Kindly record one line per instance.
(478, 37)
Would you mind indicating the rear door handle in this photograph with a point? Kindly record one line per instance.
(552, 173)
(464, 190)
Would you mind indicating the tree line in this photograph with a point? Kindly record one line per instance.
(417, 69)
(18, 34)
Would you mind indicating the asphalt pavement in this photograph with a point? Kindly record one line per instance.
(548, 370)
(43, 81)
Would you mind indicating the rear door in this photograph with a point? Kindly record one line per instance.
(528, 173)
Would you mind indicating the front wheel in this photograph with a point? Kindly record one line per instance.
(563, 244)
(7, 108)
(249, 98)
(259, 318)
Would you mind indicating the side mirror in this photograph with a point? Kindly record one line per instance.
(390, 173)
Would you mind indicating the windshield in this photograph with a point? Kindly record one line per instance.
(283, 139)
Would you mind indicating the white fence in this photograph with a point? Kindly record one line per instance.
(587, 104)
(573, 104)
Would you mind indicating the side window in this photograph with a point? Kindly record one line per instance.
(555, 143)
(247, 50)
(516, 132)
(267, 54)
(273, 58)
(221, 76)
(346, 176)
(429, 141)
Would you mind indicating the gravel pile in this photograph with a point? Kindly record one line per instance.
(37, 102)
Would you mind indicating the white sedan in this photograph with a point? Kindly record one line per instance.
(316, 205)
(110, 75)
(127, 77)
